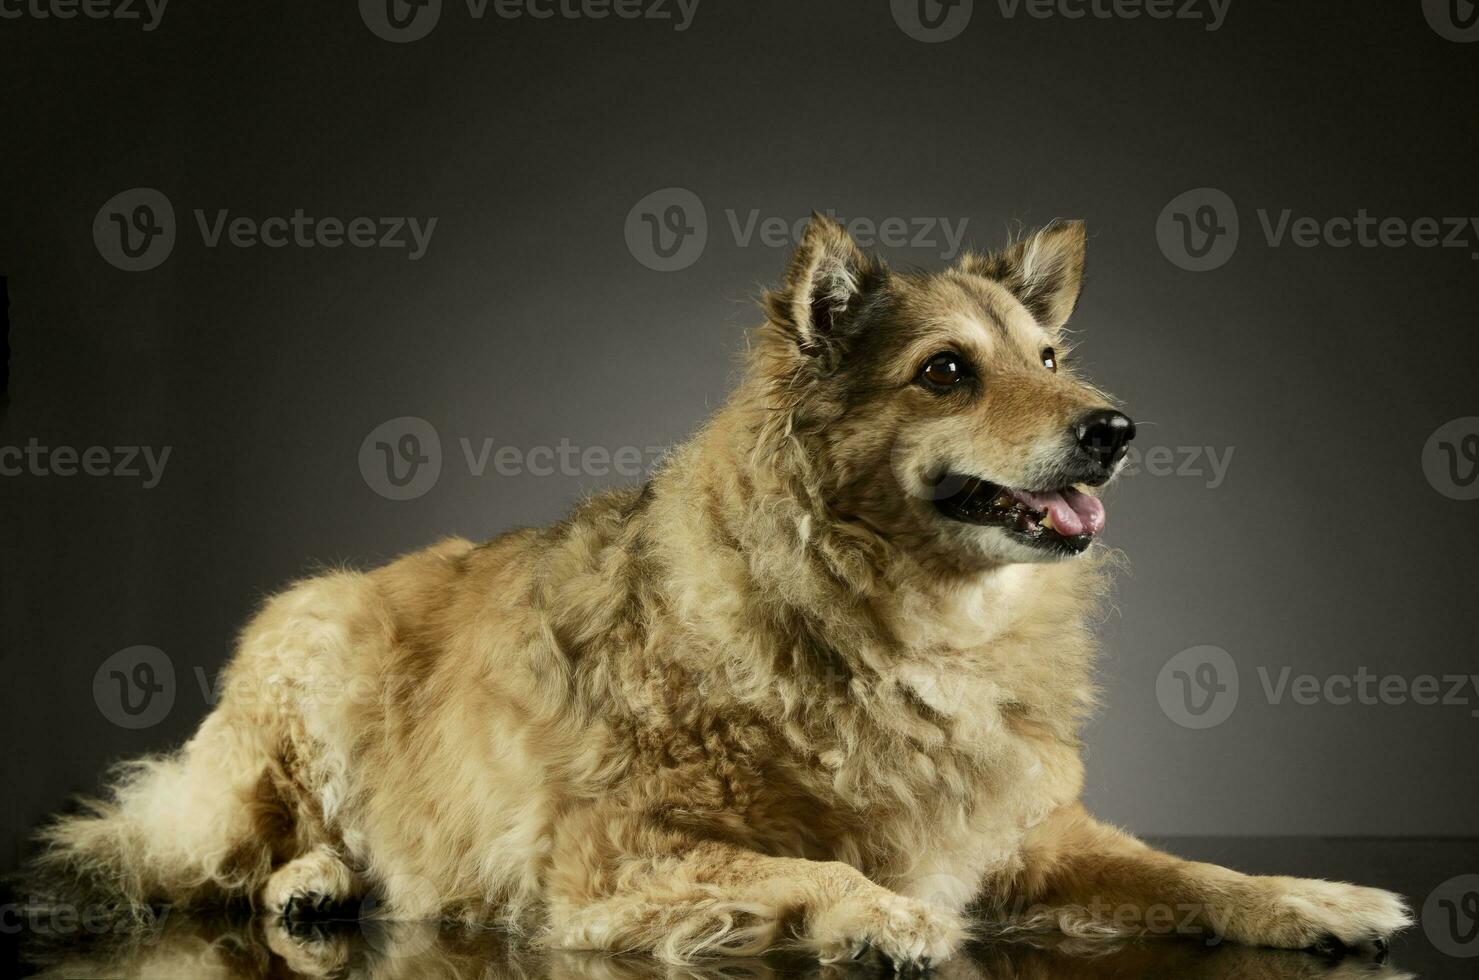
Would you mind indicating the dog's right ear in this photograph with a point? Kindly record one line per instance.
(828, 278)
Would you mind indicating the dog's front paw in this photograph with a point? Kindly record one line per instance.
(1306, 913)
(309, 887)
(911, 934)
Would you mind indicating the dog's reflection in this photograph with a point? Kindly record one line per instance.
(195, 949)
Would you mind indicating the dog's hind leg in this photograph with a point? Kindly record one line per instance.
(263, 781)
(721, 900)
(175, 828)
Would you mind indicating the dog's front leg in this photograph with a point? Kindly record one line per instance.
(716, 899)
(1084, 876)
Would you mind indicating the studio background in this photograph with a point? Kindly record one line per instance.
(1326, 538)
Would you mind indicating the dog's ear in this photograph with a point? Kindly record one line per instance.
(826, 283)
(1045, 271)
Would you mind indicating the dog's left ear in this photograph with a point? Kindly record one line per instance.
(1045, 271)
(825, 285)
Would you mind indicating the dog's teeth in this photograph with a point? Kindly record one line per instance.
(1003, 499)
(1047, 521)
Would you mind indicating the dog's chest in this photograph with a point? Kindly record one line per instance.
(978, 720)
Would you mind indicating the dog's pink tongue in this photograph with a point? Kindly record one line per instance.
(1073, 512)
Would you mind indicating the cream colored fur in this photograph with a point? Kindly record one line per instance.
(771, 698)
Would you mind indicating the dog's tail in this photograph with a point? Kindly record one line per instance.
(179, 828)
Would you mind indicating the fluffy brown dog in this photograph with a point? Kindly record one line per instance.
(819, 682)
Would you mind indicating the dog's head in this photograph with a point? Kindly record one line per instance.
(942, 408)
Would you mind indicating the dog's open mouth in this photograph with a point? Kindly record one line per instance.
(1065, 519)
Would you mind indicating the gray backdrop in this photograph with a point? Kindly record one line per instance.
(609, 194)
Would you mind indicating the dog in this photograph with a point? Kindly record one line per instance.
(817, 684)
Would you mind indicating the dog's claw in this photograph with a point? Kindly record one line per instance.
(306, 908)
(1333, 947)
(1328, 945)
(911, 967)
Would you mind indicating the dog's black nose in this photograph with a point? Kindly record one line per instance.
(1105, 435)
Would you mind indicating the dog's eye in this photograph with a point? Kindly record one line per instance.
(1050, 359)
(944, 370)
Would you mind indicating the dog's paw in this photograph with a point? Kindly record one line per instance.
(309, 887)
(911, 934)
(1306, 913)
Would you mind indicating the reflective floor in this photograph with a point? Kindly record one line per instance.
(1441, 878)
